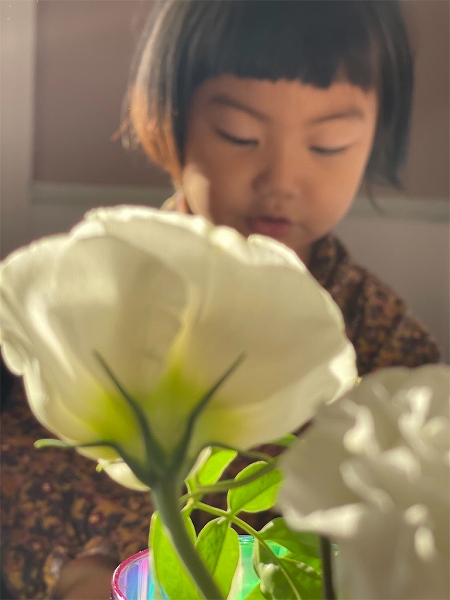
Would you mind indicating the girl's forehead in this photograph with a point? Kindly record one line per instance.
(267, 100)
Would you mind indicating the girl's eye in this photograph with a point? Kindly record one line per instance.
(237, 140)
(328, 151)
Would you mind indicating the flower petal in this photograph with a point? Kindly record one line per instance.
(138, 307)
(67, 300)
(259, 300)
(120, 472)
(369, 474)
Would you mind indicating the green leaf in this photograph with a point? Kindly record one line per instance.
(281, 581)
(285, 577)
(218, 546)
(304, 545)
(169, 571)
(216, 464)
(257, 495)
(211, 471)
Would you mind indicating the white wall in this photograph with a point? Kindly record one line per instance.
(413, 257)
(17, 57)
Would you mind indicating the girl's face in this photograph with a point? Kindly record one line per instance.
(282, 159)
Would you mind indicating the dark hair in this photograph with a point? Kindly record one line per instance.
(315, 41)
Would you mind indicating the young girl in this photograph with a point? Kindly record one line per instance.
(283, 109)
(286, 108)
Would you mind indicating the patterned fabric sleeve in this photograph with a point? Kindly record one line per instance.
(378, 322)
(55, 507)
(407, 344)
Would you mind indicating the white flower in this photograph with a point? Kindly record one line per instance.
(166, 304)
(373, 474)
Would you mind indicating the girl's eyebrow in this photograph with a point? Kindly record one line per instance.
(350, 113)
(224, 100)
(353, 112)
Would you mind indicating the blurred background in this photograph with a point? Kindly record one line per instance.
(64, 69)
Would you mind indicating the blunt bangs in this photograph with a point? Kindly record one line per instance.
(314, 41)
(311, 41)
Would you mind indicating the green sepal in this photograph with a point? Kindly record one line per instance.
(155, 456)
(218, 547)
(181, 450)
(286, 441)
(259, 494)
(51, 443)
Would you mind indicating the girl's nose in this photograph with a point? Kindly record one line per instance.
(279, 174)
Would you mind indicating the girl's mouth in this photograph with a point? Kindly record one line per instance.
(270, 226)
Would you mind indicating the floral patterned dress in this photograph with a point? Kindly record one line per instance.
(56, 507)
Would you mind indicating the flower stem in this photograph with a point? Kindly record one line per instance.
(325, 551)
(167, 503)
